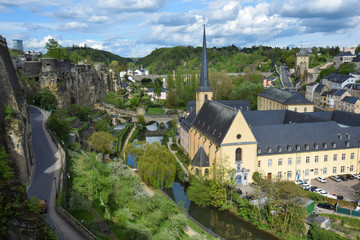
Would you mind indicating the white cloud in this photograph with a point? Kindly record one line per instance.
(70, 26)
(39, 44)
(98, 19)
(132, 5)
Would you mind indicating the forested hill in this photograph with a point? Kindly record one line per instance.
(97, 55)
(229, 59)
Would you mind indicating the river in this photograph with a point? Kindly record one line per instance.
(224, 223)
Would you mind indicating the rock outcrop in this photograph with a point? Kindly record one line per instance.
(80, 84)
(15, 130)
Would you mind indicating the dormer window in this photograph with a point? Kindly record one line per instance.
(316, 146)
(269, 150)
(347, 136)
(339, 136)
(288, 148)
(214, 131)
(297, 147)
(333, 144)
(325, 145)
(307, 147)
(279, 148)
(347, 144)
(259, 150)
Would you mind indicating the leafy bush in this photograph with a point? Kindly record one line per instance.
(317, 233)
(6, 172)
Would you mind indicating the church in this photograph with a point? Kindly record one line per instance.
(281, 144)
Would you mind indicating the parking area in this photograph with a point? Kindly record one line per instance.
(346, 189)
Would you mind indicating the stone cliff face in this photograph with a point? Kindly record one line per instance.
(72, 84)
(15, 131)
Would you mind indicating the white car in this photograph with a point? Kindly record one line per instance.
(357, 176)
(305, 186)
(320, 191)
(298, 182)
(321, 179)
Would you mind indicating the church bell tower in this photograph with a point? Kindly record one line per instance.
(203, 92)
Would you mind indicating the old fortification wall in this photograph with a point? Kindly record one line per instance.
(80, 84)
(15, 131)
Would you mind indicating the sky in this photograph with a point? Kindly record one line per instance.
(134, 28)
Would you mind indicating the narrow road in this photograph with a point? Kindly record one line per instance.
(47, 167)
(186, 173)
(285, 77)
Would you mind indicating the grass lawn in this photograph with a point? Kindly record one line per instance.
(155, 110)
(82, 215)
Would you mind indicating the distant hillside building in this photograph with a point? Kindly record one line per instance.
(356, 60)
(351, 104)
(18, 44)
(342, 58)
(337, 80)
(275, 98)
(301, 64)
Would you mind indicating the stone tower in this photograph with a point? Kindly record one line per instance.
(301, 64)
(203, 92)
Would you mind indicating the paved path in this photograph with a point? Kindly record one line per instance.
(47, 167)
(285, 77)
(186, 173)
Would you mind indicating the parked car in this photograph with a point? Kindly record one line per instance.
(335, 178)
(350, 176)
(298, 182)
(326, 206)
(312, 188)
(344, 177)
(305, 186)
(357, 176)
(321, 179)
(318, 190)
(339, 197)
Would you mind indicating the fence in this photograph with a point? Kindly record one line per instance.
(191, 218)
(348, 211)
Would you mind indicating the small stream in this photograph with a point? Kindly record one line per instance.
(224, 223)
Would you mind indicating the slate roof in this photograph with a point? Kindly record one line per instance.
(356, 59)
(302, 53)
(312, 84)
(307, 136)
(201, 159)
(351, 100)
(186, 124)
(242, 105)
(150, 90)
(319, 88)
(278, 129)
(214, 120)
(354, 86)
(344, 54)
(284, 96)
(339, 92)
(337, 77)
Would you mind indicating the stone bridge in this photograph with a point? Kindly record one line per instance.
(161, 119)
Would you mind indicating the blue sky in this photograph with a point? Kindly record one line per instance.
(134, 28)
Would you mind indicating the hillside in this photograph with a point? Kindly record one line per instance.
(229, 59)
(95, 55)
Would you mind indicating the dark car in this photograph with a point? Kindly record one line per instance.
(326, 206)
(344, 178)
(350, 176)
(312, 188)
(339, 197)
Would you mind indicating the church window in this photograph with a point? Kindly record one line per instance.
(238, 156)
(238, 136)
(206, 97)
(206, 172)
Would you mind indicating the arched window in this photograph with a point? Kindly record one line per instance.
(305, 109)
(238, 154)
(206, 172)
(295, 109)
(206, 97)
(197, 172)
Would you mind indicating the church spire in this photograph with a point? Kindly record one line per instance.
(204, 79)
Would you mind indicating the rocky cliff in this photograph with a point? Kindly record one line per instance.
(81, 84)
(15, 131)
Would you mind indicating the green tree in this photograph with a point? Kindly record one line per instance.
(101, 141)
(82, 113)
(60, 127)
(156, 164)
(55, 50)
(75, 57)
(157, 87)
(45, 98)
(247, 91)
(6, 172)
(221, 84)
(198, 192)
(357, 50)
